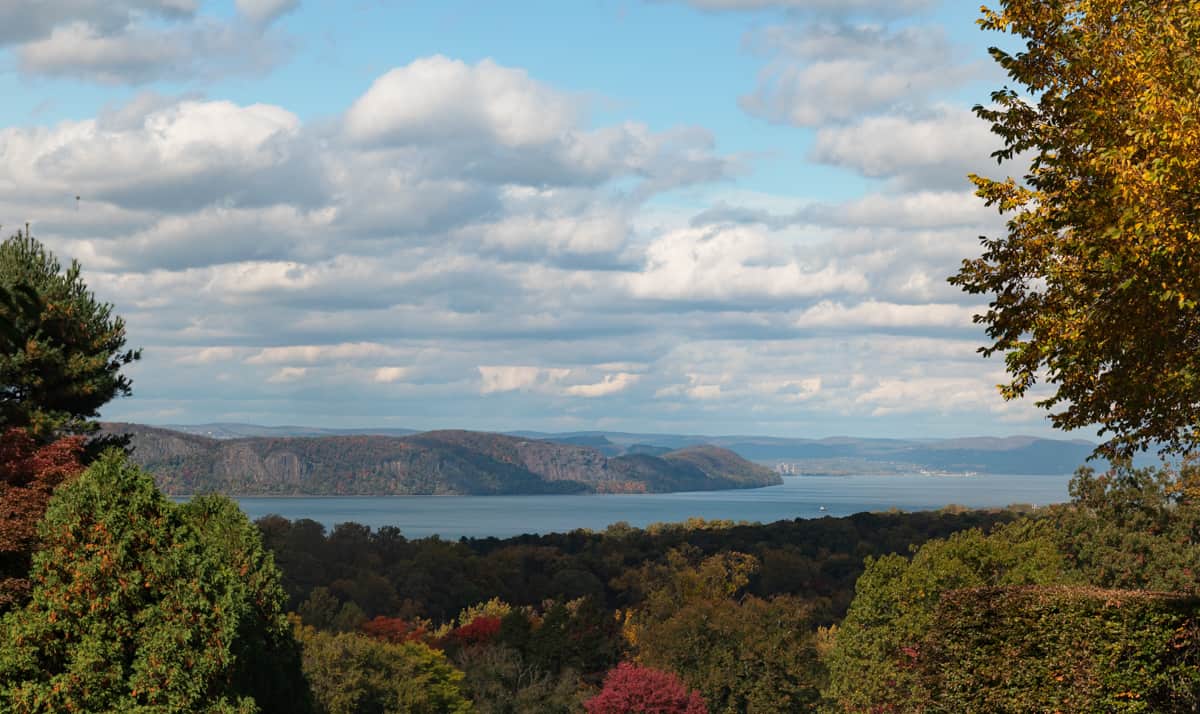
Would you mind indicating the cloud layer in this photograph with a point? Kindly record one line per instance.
(464, 245)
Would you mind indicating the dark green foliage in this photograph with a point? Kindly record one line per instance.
(142, 605)
(575, 636)
(62, 350)
(500, 680)
(1134, 528)
(817, 560)
(1039, 649)
(353, 674)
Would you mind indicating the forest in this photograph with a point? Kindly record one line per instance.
(116, 598)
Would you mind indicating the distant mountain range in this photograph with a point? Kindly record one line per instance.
(429, 463)
(837, 455)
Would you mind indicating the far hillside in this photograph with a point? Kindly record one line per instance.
(790, 455)
(429, 463)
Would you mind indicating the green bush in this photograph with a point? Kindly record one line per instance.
(1060, 649)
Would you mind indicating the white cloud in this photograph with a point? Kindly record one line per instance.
(188, 154)
(207, 355)
(938, 149)
(512, 378)
(287, 374)
(22, 21)
(138, 41)
(732, 263)
(315, 354)
(441, 98)
(823, 73)
(390, 375)
(876, 314)
(611, 384)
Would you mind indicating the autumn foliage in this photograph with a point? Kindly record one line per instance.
(29, 472)
(394, 630)
(630, 689)
(481, 630)
(1095, 288)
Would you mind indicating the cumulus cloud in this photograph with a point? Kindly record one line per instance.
(390, 375)
(917, 209)
(822, 73)
(611, 384)
(556, 381)
(138, 41)
(394, 277)
(734, 263)
(937, 149)
(511, 378)
(877, 314)
(30, 21)
(495, 124)
(437, 98)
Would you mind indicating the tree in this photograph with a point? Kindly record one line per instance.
(629, 689)
(875, 649)
(351, 673)
(61, 351)
(143, 605)
(1096, 285)
(29, 474)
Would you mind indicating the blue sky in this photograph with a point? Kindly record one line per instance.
(710, 216)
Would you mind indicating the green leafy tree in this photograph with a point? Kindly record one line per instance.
(743, 653)
(351, 673)
(872, 657)
(749, 655)
(1096, 285)
(1133, 528)
(141, 605)
(500, 680)
(62, 350)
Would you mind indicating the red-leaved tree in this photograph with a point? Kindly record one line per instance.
(630, 689)
(29, 473)
(394, 630)
(481, 630)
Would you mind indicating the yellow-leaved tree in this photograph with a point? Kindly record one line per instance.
(1096, 286)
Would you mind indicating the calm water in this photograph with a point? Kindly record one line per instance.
(798, 497)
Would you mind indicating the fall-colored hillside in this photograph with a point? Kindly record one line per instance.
(430, 463)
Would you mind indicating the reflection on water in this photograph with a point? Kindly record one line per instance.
(798, 497)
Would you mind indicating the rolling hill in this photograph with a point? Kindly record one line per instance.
(428, 463)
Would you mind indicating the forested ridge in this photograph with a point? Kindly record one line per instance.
(428, 463)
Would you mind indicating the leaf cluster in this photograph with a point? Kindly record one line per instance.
(1096, 285)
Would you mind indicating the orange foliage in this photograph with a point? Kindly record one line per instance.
(394, 629)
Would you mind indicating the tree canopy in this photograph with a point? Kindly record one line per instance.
(140, 604)
(1096, 286)
(61, 350)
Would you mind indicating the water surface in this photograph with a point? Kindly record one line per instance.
(798, 497)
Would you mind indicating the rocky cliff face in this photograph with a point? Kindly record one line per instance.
(441, 462)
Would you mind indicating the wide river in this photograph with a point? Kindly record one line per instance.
(799, 497)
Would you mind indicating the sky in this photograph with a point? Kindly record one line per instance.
(698, 216)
